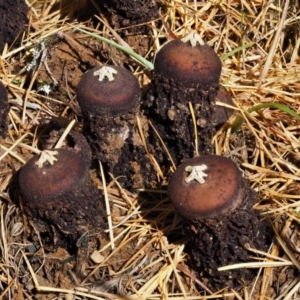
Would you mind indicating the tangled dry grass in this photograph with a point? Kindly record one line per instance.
(259, 42)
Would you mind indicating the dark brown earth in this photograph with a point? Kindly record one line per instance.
(127, 13)
(13, 18)
(4, 108)
(74, 141)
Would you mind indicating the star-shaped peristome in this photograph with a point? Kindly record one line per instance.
(107, 72)
(196, 173)
(194, 38)
(47, 156)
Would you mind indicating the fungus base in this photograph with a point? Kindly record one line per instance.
(62, 221)
(117, 144)
(220, 241)
(169, 109)
(13, 16)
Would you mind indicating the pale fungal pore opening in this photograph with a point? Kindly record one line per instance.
(193, 37)
(106, 72)
(196, 173)
(47, 156)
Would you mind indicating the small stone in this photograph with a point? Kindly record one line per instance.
(96, 257)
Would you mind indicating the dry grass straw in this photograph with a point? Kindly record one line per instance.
(259, 43)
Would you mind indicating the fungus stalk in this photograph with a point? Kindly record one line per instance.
(106, 72)
(196, 173)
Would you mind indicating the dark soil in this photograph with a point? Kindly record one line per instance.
(74, 141)
(116, 142)
(127, 13)
(4, 108)
(13, 18)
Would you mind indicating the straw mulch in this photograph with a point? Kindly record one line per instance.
(259, 44)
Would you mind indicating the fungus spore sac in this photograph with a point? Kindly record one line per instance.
(184, 86)
(216, 204)
(109, 97)
(60, 198)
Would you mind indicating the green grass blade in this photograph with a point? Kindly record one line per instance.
(138, 57)
(226, 55)
(239, 120)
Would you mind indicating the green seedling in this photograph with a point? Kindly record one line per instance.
(239, 120)
(230, 53)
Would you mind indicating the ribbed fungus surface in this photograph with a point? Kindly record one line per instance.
(60, 198)
(217, 205)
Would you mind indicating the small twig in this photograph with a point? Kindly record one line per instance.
(108, 213)
(184, 269)
(274, 43)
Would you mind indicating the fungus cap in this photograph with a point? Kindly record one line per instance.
(109, 90)
(188, 64)
(43, 181)
(219, 193)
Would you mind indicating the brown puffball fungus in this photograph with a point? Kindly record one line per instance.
(186, 70)
(60, 198)
(216, 203)
(4, 108)
(189, 61)
(108, 90)
(109, 97)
